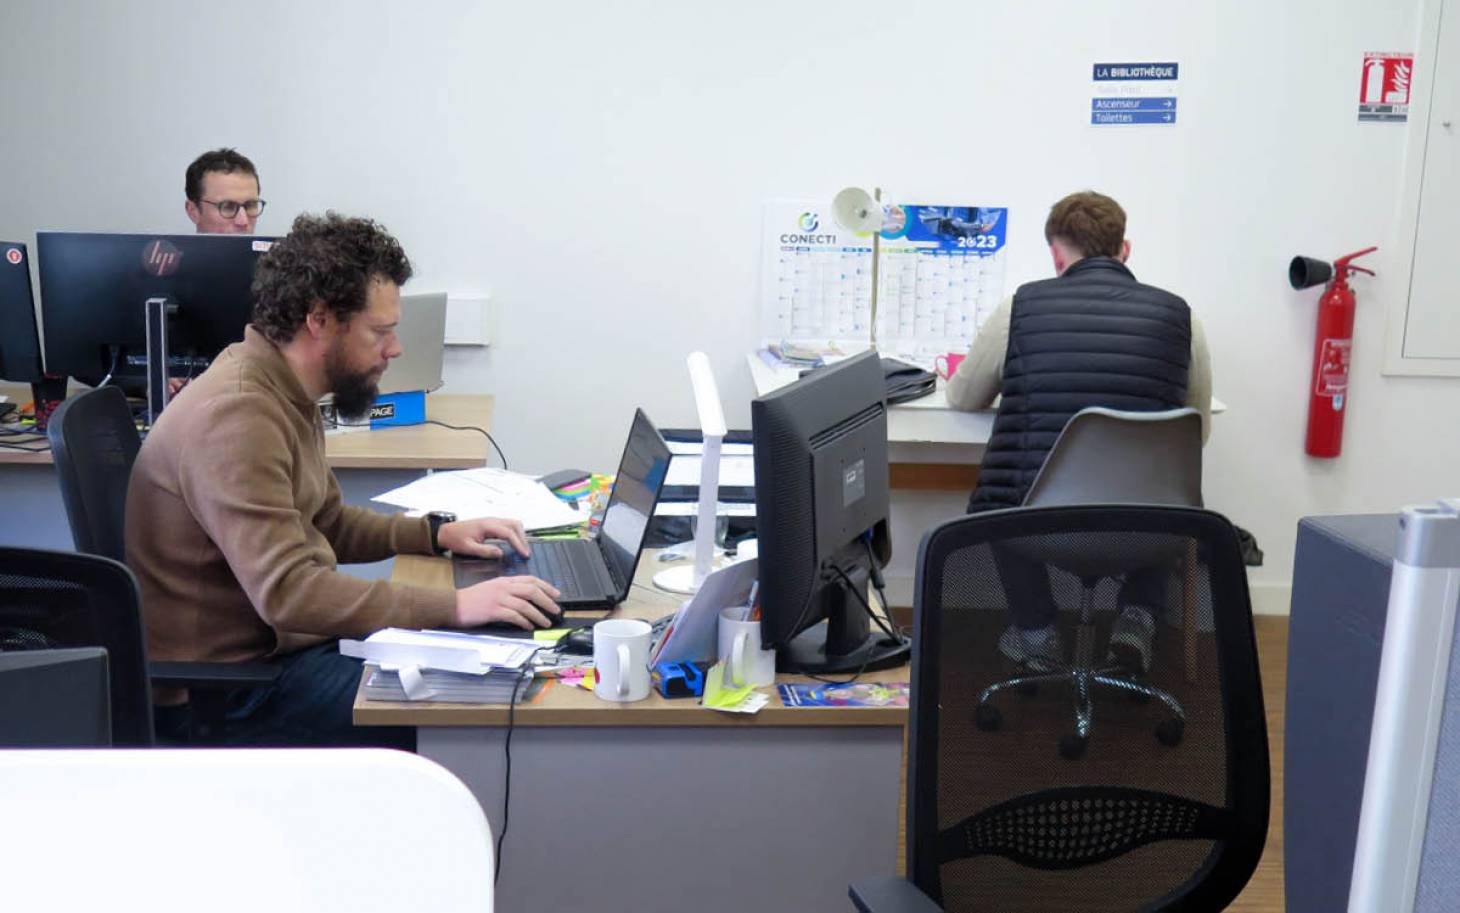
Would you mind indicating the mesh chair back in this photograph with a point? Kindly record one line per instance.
(1106, 456)
(94, 442)
(60, 599)
(997, 818)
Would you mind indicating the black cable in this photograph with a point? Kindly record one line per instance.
(868, 657)
(507, 780)
(493, 441)
(881, 584)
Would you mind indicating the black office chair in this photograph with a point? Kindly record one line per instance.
(60, 599)
(998, 822)
(94, 443)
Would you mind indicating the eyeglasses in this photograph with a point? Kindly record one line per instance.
(229, 209)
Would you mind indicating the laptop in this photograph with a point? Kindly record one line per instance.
(422, 335)
(594, 573)
(20, 345)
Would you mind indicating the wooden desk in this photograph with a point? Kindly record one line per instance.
(663, 804)
(407, 447)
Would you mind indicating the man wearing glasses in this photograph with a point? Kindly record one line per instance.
(223, 193)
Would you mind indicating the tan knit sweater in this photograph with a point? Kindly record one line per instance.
(235, 524)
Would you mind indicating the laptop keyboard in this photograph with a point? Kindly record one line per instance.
(559, 562)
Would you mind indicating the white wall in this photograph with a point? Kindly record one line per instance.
(600, 168)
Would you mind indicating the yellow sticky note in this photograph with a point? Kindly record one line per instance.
(549, 635)
(720, 694)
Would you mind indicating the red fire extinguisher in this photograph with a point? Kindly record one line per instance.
(1328, 391)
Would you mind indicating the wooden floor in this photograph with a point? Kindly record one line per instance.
(1264, 893)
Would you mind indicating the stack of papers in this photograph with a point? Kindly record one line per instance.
(487, 492)
(384, 684)
(442, 666)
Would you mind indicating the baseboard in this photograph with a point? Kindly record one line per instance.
(1270, 598)
(1267, 598)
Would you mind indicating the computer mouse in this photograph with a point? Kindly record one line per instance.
(579, 641)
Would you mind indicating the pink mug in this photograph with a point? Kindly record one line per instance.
(946, 365)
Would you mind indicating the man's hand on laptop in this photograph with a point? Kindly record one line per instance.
(469, 537)
(526, 602)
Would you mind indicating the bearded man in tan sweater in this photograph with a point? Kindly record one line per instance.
(235, 523)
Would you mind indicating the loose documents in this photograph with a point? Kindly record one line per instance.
(486, 492)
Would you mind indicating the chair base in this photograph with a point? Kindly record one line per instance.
(1084, 678)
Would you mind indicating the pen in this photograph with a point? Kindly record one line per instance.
(750, 601)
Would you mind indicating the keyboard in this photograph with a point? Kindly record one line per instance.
(558, 562)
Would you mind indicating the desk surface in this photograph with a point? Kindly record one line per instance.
(409, 447)
(926, 420)
(560, 705)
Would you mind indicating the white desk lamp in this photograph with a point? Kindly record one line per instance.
(687, 578)
(858, 211)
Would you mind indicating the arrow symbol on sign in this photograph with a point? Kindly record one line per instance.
(1166, 117)
(1168, 102)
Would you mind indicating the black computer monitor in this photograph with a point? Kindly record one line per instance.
(55, 699)
(821, 497)
(20, 345)
(94, 293)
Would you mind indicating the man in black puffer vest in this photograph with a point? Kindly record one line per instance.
(1091, 336)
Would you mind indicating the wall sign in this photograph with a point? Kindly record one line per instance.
(1127, 94)
(1384, 88)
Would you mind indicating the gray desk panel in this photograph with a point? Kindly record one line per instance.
(715, 820)
(1341, 577)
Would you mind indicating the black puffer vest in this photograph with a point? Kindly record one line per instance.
(1091, 337)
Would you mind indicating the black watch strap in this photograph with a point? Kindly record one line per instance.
(436, 519)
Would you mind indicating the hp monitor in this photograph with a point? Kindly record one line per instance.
(108, 300)
(20, 345)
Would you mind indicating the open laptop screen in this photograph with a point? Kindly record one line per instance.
(636, 489)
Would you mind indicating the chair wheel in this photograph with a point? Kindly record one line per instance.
(1072, 747)
(1028, 689)
(988, 718)
(1169, 731)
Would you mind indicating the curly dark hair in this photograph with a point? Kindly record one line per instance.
(330, 258)
(222, 161)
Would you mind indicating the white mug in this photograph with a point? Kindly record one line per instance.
(621, 659)
(746, 664)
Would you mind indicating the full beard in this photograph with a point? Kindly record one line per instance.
(353, 391)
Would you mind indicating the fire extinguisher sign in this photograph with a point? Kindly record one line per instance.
(1332, 379)
(1384, 87)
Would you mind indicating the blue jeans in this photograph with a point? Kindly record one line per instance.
(308, 705)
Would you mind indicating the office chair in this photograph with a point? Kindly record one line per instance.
(94, 443)
(59, 599)
(1107, 456)
(998, 822)
(316, 830)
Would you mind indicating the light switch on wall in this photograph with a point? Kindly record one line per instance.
(468, 321)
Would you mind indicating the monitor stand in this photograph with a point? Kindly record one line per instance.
(846, 642)
(157, 310)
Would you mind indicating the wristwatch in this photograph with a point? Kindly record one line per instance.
(436, 519)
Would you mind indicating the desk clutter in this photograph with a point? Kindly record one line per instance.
(708, 649)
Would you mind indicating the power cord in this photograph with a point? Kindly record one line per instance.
(493, 441)
(507, 780)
